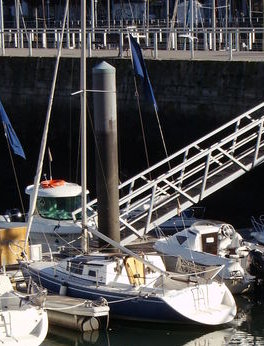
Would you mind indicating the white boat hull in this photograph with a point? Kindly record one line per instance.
(166, 301)
(22, 323)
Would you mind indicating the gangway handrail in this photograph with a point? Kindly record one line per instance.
(153, 194)
(189, 160)
(164, 161)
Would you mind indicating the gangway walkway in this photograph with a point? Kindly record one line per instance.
(188, 176)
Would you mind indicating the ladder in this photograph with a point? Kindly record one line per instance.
(188, 176)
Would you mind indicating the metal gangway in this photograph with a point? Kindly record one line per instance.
(190, 175)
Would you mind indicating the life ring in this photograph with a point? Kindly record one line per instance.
(52, 183)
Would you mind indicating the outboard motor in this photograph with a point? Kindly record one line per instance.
(255, 264)
(13, 215)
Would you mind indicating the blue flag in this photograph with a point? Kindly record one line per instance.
(140, 69)
(10, 133)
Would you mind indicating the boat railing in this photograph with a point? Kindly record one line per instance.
(258, 225)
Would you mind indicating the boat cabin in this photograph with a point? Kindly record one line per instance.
(57, 201)
(114, 268)
(208, 237)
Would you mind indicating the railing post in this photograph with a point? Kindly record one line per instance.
(80, 38)
(210, 41)
(205, 40)
(15, 40)
(121, 43)
(253, 36)
(150, 207)
(172, 40)
(155, 45)
(237, 41)
(73, 40)
(21, 38)
(89, 45)
(230, 46)
(206, 169)
(3, 42)
(250, 41)
(220, 39)
(176, 40)
(183, 169)
(55, 39)
(104, 39)
(59, 38)
(68, 40)
(30, 42)
(233, 147)
(44, 39)
(257, 144)
(147, 37)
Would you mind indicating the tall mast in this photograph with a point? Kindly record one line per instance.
(83, 124)
(33, 199)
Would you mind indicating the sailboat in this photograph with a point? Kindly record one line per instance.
(136, 285)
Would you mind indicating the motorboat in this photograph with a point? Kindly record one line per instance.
(209, 243)
(52, 224)
(24, 321)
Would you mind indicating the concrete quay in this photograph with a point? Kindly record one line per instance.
(250, 56)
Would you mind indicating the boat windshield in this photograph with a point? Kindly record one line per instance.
(58, 208)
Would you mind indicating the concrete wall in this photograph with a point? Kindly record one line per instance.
(193, 98)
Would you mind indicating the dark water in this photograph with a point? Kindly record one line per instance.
(246, 329)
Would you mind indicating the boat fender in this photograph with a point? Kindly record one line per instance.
(63, 289)
(45, 184)
(90, 324)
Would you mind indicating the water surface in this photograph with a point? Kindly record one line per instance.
(246, 329)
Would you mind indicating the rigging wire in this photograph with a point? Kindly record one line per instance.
(141, 121)
(159, 125)
(97, 147)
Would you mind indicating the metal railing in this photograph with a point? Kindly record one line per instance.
(188, 176)
(153, 38)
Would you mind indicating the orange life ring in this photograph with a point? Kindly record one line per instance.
(52, 183)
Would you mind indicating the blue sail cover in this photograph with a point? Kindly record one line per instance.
(10, 133)
(140, 69)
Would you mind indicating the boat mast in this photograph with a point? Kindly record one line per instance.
(44, 136)
(83, 88)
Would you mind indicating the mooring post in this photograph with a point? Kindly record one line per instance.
(105, 123)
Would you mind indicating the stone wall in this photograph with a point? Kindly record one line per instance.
(193, 98)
